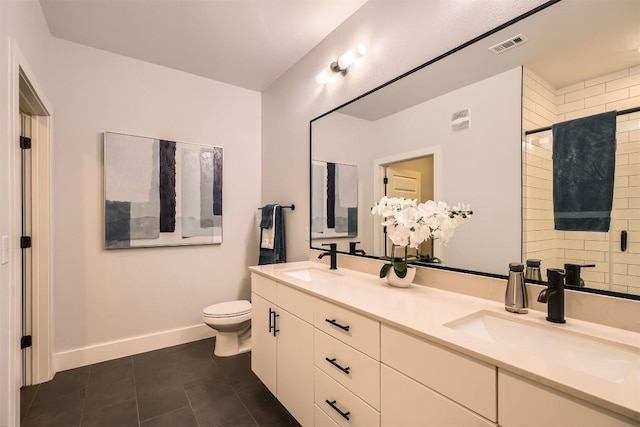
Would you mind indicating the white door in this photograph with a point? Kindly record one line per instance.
(26, 194)
(403, 183)
(263, 342)
(408, 184)
(295, 366)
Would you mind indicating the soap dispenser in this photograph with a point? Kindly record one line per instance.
(515, 297)
(533, 270)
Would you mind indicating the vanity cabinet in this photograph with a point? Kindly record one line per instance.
(524, 403)
(282, 345)
(347, 367)
(446, 387)
(332, 366)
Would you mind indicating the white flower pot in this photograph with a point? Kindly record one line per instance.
(401, 282)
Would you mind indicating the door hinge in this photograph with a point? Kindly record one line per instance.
(25, 142)
(25, 242)
(25, 342)
(385, 180)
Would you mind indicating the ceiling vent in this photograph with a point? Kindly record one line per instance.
(509, 44)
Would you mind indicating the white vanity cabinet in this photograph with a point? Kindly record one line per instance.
(347, 367)
(423, 383)
(524, 403)
(282, 345)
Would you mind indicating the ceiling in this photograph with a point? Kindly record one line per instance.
(246, 43)
(569, 42)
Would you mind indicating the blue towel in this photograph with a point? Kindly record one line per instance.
(278, 254)
(267, 216)
(584, 160)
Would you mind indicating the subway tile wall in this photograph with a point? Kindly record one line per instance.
(544, 105)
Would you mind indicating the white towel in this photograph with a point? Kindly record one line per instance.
(268, 234)
(347, 185)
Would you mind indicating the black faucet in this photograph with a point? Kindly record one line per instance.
(573, 273)
(333, 251)
(354, 251)
(553, 296)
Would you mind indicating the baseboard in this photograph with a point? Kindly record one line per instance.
(115, 349)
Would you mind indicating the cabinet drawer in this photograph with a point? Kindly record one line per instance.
(407, 403)
(328, 392)
(356, 330)
(553, 408)
(295, 302)
(320, 419)
(264, 287)
(354, 370)
(460, 378)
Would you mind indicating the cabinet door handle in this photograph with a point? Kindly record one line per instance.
(334, 363)
(623, 241)
(273, 321)
(337, 325)
(332, 403)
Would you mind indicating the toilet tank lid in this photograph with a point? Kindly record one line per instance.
(228, 309)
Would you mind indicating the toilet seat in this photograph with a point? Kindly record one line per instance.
(227, 309)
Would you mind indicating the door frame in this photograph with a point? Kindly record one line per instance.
(378, 185)
(41, 221)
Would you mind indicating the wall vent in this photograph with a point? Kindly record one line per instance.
(509, 44)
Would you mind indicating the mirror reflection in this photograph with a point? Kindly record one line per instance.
(572, 59)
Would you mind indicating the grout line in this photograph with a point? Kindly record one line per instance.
(86, 391)
(166, 413)
(28, 408)
(135, 388)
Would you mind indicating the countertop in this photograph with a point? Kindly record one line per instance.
(424, 311)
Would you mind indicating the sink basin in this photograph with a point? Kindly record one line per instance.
(604, 359)
(311, 274)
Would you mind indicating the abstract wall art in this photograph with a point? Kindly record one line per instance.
(161, 193)
(334, 204)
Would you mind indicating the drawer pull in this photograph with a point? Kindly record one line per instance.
(334, 363)
(332, 403)
(337, 325)
(272, 321)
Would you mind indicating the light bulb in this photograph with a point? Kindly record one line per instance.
(324, 76)
(347, 59)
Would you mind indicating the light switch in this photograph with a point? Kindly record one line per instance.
(5, 249)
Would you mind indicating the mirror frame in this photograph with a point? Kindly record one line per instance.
(418, 68)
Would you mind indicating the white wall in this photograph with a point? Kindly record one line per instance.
(23, 35)
(399, 35)
(348, 134)
(480, 165)
(110, 295)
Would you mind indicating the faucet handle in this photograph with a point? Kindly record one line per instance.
(555, 277)
(332, 246)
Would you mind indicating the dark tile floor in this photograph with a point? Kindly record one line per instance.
(178, 386)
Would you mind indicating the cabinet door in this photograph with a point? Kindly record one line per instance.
(263, 343)
(295, 366)
(406, 402)
(517, 396)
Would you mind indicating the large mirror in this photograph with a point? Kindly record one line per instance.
(454, 130)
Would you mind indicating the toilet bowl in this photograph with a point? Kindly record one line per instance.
(232, 321)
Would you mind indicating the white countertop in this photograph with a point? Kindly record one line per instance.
(423, 311)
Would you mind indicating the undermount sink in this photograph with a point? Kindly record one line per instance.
(309, 274)
(594, 356)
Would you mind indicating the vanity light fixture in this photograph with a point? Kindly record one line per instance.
(342, 64)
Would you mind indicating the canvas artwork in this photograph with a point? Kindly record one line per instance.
(161, 193)
(334, 207)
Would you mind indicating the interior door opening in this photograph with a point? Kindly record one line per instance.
(411, 179)
(35, 235)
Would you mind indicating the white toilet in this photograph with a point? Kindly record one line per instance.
(232, 321)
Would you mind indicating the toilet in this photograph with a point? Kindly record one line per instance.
(232, 321)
